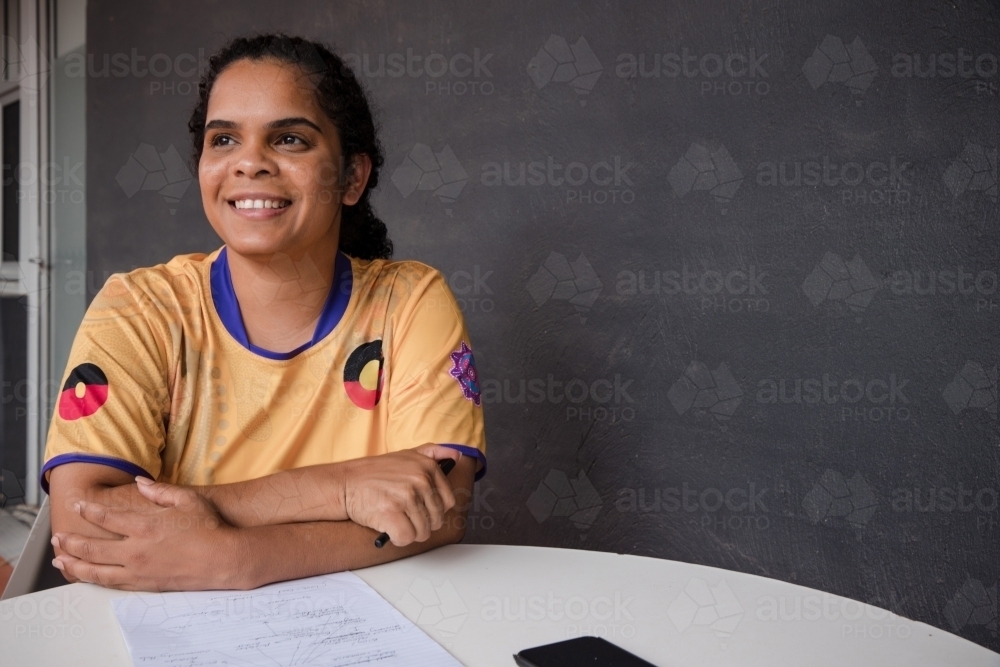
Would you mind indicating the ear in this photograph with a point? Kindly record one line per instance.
(356, 179)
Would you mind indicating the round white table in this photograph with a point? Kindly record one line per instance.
(485, 603)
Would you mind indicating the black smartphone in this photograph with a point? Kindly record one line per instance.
(579, 652)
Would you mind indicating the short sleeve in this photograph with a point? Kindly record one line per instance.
(433, 386)
(113, 401)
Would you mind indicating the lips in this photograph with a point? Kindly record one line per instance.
(85, 391)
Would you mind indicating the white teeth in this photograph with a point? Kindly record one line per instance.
(260, 203)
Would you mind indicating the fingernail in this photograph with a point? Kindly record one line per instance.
(54, 541)
(56, 563)
(145, 481)
(77, 506)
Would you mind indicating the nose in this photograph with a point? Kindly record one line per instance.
(254, 159)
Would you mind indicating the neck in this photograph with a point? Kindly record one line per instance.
(282, 295)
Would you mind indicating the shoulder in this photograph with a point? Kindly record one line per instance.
(403, 279)
(158, 292)
(403, 287)
(387, 270)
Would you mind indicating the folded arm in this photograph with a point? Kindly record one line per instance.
(295, 523)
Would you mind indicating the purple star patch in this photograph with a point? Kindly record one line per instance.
(465, 372)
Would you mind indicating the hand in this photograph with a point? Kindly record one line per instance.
(182, 545)
(404, 494)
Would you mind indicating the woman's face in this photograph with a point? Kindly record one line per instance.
(270, 170)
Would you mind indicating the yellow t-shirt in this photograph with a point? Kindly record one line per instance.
(162, 381)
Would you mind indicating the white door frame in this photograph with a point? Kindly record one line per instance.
(29, 277)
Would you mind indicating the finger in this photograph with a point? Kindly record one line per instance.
(399, 528)
(123, 522)
(165, 495)
(434, 505)
(160, 493)
(90, 549)
(419, 516)
(443, 488)
(111, 576)
(439, 452)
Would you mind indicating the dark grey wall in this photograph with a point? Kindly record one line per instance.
(700, 323)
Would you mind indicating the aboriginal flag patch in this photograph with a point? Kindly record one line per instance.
(85, 391)
(363, 375)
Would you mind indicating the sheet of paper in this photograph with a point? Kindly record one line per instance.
(333, 620)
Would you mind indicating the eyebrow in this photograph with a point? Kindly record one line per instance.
(273, 125)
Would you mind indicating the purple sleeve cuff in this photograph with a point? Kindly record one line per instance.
(474, 453)
(127, 466)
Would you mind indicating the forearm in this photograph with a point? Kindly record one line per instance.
(313, 493)
(292, 551)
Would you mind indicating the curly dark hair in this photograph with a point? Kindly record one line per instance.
(342, 99)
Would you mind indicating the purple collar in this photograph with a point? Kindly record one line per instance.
(226, 304)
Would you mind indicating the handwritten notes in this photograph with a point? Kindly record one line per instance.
(333, 620)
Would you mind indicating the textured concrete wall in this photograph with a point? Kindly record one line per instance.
(730, 267)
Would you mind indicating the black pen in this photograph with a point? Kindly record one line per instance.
(446, 465)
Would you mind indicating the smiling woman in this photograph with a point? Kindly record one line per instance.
(263, 411)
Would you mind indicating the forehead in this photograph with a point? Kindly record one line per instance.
(263, 90)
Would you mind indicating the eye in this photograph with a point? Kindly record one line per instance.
(221, 140)
(292, 140)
